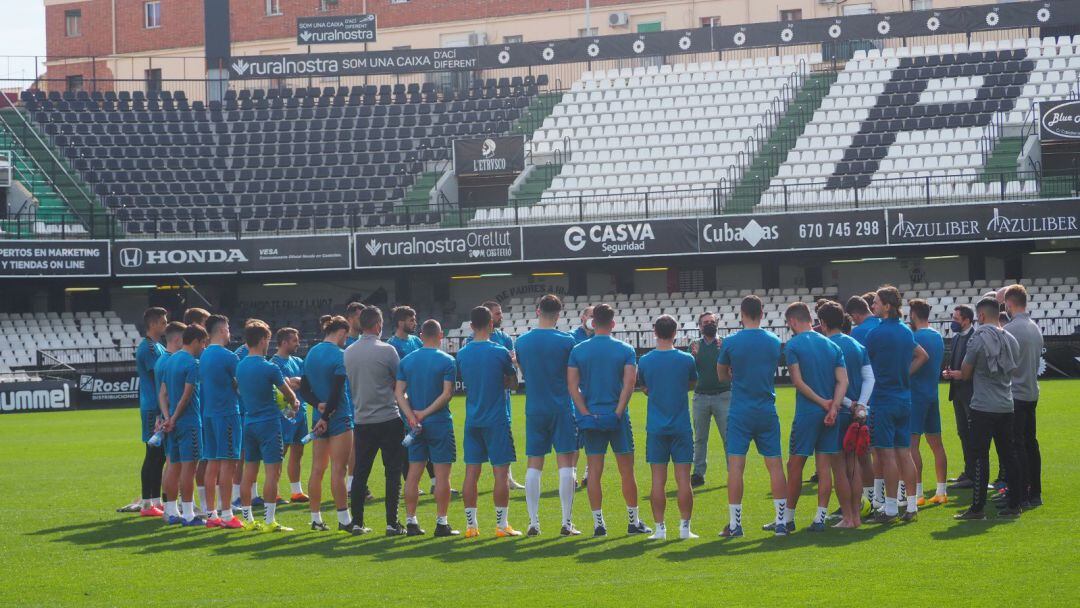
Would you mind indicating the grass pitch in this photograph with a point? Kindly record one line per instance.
(62, 544)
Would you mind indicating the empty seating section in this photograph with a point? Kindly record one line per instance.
(1054, 305)
(898, 116)
(275, 160)
(70, 338)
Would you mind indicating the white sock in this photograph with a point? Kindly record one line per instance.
(411, 519)
(912, 504)
(820, 515)
(632, 515)
(470, 518)
(566, 494)
(918, 490)
(901, 491)
(532, 496)
(348, 483)
(236, 491)
(343, 517)
(684, 529)
(501, 515)
(941, 491)
(879, 492)
(189, 510)
(316, 517)
(660, 530)
(254, 489)
(245, 511)
(734, 516)
(890, 506)
(780, 505)
(226, 514)
(271, 511)
(586, 474)
(296, 487)
(441, 521)
(202, 499)
(789, 515)
(868, 493)
(171, 509)
(598, 518)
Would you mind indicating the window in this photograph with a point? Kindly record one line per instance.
(587, 33)
(859, 9)
(327, 5)
(273, 8)
(922, 5)
(399, 1)
(513, 39)
(153, 80)
(794, 14)
(74, 83)
(649, 27)
(404, 47)
(152, 12)
(73, 23)
(710, 22)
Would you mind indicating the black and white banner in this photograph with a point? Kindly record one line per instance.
(610, 239)
(489, 156)
(335, 29)
(226, 256)
(41, 396)
(1060, 121)
(108, 388)
(436, 247)
(54, 259)
(1053, 13)
(997, 221)
(774, 232)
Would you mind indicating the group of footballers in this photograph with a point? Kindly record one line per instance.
(219, 408)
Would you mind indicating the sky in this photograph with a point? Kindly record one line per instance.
(22, 32)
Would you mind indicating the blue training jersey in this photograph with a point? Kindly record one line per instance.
(601, 361)
(924, 382)
(891, 346)
(543, 355)
(817, 358)
(424, 371)
(324, 361)
(405, 345)
(861, 331)
(255, 380)
(855, 359)
(753, 355)
(580, 334)
(146, 356)
(217, 373)
(159, 374)
(668, 374)
(180, 370)
(483, 367)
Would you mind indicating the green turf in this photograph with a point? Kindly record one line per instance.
(62, 544)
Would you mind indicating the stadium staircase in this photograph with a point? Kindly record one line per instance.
(418, 197)
(539, 109)
(766, 164)
(1002, 161)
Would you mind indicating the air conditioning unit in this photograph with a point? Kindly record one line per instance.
(618, 19)
(828, 2)
(478, 39)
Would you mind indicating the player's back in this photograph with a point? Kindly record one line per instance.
(854, 360)
(891, 346)
(217, 369)
(483, 366)
(256, 378)
(601, 361)
(324, 361)
(180, 370)
(668, 374)
(542, 355)
(425, 370)
(862, 331)
(817, 358)
(753, 355)
(924, 382)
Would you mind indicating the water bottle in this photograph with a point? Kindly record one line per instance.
(156, 439)
(411, 437)
(306, 439)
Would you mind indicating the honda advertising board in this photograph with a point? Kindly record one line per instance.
(225, 256)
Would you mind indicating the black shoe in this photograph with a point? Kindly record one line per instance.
(771, 526)
(1010, 512)
(961, 477)
(354, 529)
(909, 516)
(319, 526)
(1035, 501)
(413, 530)
(696, 481)
(599, 531)
(813, 478)
(640, 528)
(282, 501)
(962, 484)
(569, 531)
(396, 529)
(882, 518)
(442, 530)
(533, 531)
(454, 492)
(369, 496)
(970, 515)
(584, 483)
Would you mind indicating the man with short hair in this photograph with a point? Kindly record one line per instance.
(992, 358)
(293, 429)
(748, 359)
(712, 398)
(371, 366)
(174, 340)
(960, 390)
(500, 337)
(146, 355)
(863, 321)
(543, 354)
(601, 374)
(199, 316)
(488, 372)
(1025, 392)
(667, 375)
(183, 420)
(425, 385)
(222, 428)
(241, 353)
(256, 379)
(895, 356)
(352, 315)
(584, 331)
(404, 342)
(925, 414)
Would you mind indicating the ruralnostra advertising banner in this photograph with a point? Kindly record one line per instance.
(335, 29)
(39, 396)
(226, 256)
(437, 247)
(489, 156)
(54, 259)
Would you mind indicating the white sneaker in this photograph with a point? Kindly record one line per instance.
(514, 485)
(660, 534)
(685, 533)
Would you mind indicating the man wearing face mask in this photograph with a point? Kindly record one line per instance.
(584, 331)
(960, 390)
(712, 398)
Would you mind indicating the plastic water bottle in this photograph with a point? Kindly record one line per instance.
(156, 439)
(306, 439)
(411, 437)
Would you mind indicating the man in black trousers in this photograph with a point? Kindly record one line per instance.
(960, 390)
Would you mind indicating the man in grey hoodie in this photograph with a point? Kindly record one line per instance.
(991, 358)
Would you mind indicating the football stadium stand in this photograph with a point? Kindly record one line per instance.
(43, 340)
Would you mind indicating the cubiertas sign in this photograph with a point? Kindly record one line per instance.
(335, 29)
(434, 247)
(225, 256)
(489, 156)
(1060, 121)
(41, 396)
(54, 259)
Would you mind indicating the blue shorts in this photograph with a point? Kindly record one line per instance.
(843, 421)
(494, 444)
(185, 443)
(545, 431)
(221, 436)
(436, 444)
(338, 423)
(760, 425)
(889, 426)
(292, 431)
(148, 420)
(661, 448)
(809, 434)
(262, 442)
(621, 439)
(925, 417)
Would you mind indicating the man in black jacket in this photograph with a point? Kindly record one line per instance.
(960, 391)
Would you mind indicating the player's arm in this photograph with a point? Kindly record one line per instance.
(510, 380)
(305, 392)
(918, 359)
(442, 400)
(333, 400)
(723, 372)
(838, 395)
(573, 382)
(290, 395)
(629, 379)
(403, 402)
(867, 387)
(967, 371)
(163, 400)
(181, 405)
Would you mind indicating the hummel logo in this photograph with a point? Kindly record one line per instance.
(305, 36)
(241, 67)
(373, 247)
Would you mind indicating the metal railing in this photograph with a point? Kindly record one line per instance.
(95, 359)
